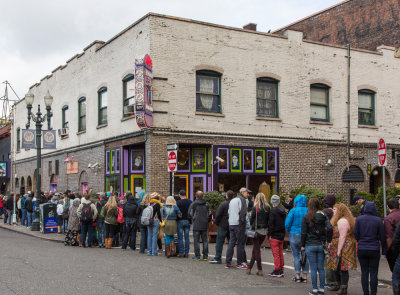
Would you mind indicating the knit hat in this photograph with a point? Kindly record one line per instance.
(275, 200)
(329, 201)
(356, 198)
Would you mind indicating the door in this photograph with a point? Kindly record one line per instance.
(138, 184)
(197, 182)
(85, 187)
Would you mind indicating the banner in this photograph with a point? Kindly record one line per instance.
(3, 169)
(49, 139)
(28, 139)
(72, 167)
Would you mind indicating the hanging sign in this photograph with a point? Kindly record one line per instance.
(72, 167)
(28, 139)
(49, 139)
(143, 91)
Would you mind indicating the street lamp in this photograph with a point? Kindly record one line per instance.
(38, 118)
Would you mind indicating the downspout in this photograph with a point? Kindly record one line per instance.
(348, 106)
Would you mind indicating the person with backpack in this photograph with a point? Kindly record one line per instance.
(151, 217)
(259, 223)
(143, 203)
(110, 220)
(171, 213)
(316, 231)
(101, 228)
(200, 214)
(87, 213)
(129, 214)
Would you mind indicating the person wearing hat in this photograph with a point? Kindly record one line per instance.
(101, 228)
(276, 235)
(360, 202)
(171, 213)
(183, 224)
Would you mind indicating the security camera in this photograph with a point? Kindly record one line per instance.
(95, 165)
(219, 159)
(329, 162)
(89, 166)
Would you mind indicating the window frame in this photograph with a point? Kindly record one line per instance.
(327, 89)
(100, 120)
(80, 116)
(64, 123)
(18, 139)
(125, 81)
(372, 93)
(272, 81)
(208, 73)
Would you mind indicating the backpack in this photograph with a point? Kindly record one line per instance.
(65, 213)
(87, 213)
(120, 218)
(147, 216)
(103, 212)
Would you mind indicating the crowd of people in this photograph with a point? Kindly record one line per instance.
(325, 238)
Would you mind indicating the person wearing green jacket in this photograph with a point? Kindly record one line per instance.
(110, 220)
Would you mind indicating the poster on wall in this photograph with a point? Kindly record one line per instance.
(137, 161)
(260, 161)
(236, 164)
(72, 167)
(247, 160)
(184, 160)
(199, 160)
(3, 169)
(223, 166)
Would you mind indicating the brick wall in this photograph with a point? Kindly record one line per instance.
(364, 24)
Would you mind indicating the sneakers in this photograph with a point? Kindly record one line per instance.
(205, 259)
(242, 266)
(276, 274)
(313, 292)
(228, 265)
(280, 274)
(215, 261)
(321, 291)
(195, 258)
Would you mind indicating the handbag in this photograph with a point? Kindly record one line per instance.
(162, 223)
(303, 258)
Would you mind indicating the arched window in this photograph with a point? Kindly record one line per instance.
(267, 97)
(319, 102)
(353, 174)
(208, 92)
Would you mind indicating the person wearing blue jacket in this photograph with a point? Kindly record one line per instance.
(370, 236)
(293, 227)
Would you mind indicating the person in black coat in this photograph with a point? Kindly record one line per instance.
(130, 215)
(396, 269)
(221, 220)
(259, 223)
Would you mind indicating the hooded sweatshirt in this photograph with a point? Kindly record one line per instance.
(73, 219)
(276, 223)
(369, 231)
(329, 202)
(94, 210)
(130, 207)
(295, 216)
(200, 212)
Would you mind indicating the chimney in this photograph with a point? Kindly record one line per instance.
(250, 26)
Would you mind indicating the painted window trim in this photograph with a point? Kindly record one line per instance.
(190, 158)
(272, 81)
(107, 162)
(252, 161)
(133, 177)
(63, 111)
(80, 116)
(372, 93)
(210, 159)
(215, 75)
(227, 160)
(205, 160)
(125, 81)
(100, 120)
(267, 160)
(239, 158)
(131, 161)
(204, 176)
(327, 88)
(117, 163)
(112, 158)
(187, 180)
(255, 161)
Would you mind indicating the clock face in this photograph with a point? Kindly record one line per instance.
(49, 137)
(28, 136)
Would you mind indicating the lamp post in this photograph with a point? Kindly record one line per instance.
(39, 119)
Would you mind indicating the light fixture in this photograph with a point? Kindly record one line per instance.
(375, 172)
(67, 160)
(29, 97)
(218, 160)
(48, 99)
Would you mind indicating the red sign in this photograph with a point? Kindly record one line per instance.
(382, 155)
(172, 161)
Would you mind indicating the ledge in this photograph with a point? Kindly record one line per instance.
(101, 126)
(209, 114)
(321, 123)
(127, 118)
(368, 126)
(81, 132)
(269, 119)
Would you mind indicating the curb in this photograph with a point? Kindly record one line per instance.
(31, 235)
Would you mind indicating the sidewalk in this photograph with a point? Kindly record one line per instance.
(384, 276)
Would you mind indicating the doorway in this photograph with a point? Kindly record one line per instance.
(376, 180)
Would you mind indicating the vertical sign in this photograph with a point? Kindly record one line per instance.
(28, 139)
(143, 91)
(382, 160)
(49, 139)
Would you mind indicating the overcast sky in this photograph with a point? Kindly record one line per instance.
(38, 36)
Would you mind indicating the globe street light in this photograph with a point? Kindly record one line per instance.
(38, 118)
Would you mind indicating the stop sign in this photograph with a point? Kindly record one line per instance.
(382, 155)
(172, 161)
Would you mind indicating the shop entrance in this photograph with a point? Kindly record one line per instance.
(253, 182)
(231, 182)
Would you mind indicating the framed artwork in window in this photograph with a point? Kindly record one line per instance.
(259, 163)
(137, 161)
(183, 160)
(199, 160)
(271, 161)
(247, 160)
(223, 154)
(236, 164)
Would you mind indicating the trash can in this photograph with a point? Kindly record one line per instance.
(48, 218)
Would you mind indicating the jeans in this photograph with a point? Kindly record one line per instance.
(130, 232)
(10, 214)
(369, 262)
(5, 216)
(236, 235)
(183, 231)
(396, 272)
(204, 238)
(277, 252)
(256, 253)
(143, 238)
(101, 232)
(87, 228)
(295, 244)
(169, 239)
(152, 233)
(316, 259)
(23, 217)
(222, 234)
(30, 219)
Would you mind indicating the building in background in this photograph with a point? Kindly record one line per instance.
(274, 108)
(5, 159)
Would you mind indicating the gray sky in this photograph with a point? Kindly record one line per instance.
(38, 36)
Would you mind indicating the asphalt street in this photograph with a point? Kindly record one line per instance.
(33, 266)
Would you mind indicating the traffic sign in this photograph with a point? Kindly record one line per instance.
(382, 154)
(172, 161)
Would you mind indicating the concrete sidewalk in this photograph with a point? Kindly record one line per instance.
(384, 275)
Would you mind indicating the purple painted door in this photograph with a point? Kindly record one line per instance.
(84, 187)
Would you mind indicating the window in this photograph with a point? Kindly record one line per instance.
(267, 97)
(82, 114)
(50, 168)
(56, 164)
(319, 102)
(102, 106)
(366, 107)
(64, 117)
(18, 139)
(128, 95)
(208, 92)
